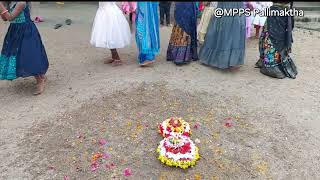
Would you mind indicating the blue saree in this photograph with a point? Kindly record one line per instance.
(147, 31)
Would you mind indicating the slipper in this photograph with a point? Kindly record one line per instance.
(57, 26)
(68, 22)
(147, 64)
(117, 62)
(36, 20)
(40, 19)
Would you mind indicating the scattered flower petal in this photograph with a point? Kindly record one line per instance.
(79, 136)
(140, 114)
(197, 141)
(228, 122)
(110, 166)
(51, 167)
(66, 178)
(105, 155)
(197, 125)
(102, 142)
(94, 166)
(127, 172)
(197, 177)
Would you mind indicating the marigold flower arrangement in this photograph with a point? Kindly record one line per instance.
(174, 126)
(177, 149)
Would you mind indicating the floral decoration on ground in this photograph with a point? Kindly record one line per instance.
(177, 149)
(174, 126)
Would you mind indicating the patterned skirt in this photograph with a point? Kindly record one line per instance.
(180, 49)
(274, 63)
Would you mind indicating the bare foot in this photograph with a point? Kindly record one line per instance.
(40, 86)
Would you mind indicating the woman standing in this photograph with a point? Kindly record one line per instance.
(275, 45)
(110, 30)
(182, 47)
(147, 32)
(224, 45)
(205, 20)
(23, 53)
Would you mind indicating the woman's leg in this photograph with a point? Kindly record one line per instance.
(41, 83)
(257, 27)
(115, 57)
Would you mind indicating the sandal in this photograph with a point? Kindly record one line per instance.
(68, 22)
(38, 19)
(146, 64)
(117, 62)
(57, 26)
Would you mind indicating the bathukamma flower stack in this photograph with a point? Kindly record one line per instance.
(177, 149)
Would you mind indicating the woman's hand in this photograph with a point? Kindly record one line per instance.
(16, 11)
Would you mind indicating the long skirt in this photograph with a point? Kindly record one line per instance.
(224, 45)
(182, 48)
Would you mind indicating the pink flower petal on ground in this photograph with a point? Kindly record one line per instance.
(127, 172)
(109, 166)
(112, 165)
(51, 167)
(228, 122)
(105, 155)
(102, 142)
(140, 114)
(79, 136)
(94, 166)
(66, 178)
(197, 125)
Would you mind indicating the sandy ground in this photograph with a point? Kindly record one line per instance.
(275, 134)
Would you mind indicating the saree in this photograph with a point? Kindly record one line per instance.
(147, 31)
(224, 45)
(182, 48)
(208, 12)
(275, 46)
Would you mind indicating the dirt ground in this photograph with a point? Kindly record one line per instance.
(275, 132)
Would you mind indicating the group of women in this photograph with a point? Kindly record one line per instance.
(222, 39)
